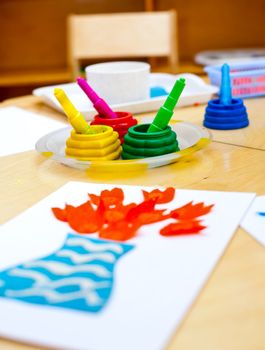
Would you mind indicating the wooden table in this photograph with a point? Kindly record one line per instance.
(230, 312)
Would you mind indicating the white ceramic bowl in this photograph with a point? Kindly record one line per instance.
(121, 81)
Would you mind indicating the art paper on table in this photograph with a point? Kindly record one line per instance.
(20, 129)
(127, 284)
(254, 221)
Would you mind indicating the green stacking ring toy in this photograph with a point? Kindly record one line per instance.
(157, 138)
(140, 144)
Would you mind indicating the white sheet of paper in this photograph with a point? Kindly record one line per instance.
(254, 223)
(20, 129)
(155, 283)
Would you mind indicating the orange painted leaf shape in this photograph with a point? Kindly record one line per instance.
(151, 217)
(120, 231)
(190, 211)
(84, 219)
(118, 213)
(182, 228)
(161, 197)
(113, 215)
(60, 214)
(144, 207)
(110, 198)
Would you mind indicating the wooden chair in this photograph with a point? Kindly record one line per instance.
(122, 35)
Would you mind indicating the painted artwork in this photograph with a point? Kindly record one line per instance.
(134, 262)
(78, 276)
(254, 221)
(107, 214)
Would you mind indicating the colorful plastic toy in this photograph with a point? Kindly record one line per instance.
(98, 142)
(226, 113)
(157, 138)
(121, 124)
(99, 104)
(165, 112)
(119, 121)
(104, 144)
(75, 118)
(138, 143)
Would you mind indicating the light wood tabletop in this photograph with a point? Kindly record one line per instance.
(229, 313)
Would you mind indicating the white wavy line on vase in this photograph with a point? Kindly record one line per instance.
(37, 276)
(62, 269)
(52, 296)
(42, 280)
(90, 246)
(87, 290)
(82, 282)
(84, 258)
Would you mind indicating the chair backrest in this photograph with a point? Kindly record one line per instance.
(122, 35)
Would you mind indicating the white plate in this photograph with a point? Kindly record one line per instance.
(191, 138)
(195, 92)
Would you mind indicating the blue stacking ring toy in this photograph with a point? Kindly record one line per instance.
(226, 113)
(226, 117)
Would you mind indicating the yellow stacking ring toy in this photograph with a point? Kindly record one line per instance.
(97, 142)
(102, 144)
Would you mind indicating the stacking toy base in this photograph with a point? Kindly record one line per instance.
(140, 144)
(104, 144)
(222, 126)
(112, 156)
(121, 124)
(220, 116)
